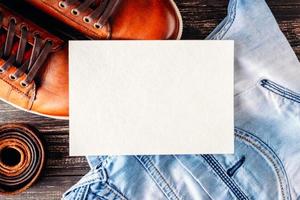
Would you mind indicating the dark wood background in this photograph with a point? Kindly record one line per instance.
(199, 17)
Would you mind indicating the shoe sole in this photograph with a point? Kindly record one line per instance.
(179, 35)
(35, 113)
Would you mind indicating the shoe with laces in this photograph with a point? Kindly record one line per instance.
(117, 19)
(33, 67)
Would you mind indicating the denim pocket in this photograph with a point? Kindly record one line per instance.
(254, 171)
(267, 121)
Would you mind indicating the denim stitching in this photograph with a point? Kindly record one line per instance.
(269, 156)
(279, 90)
(267, 151)
(218, 169)
(232, 15)
(194, 177)
(85, 193)
(115, 192)
(80, 185)
(109, 190)
(102, 159)
(105, 193)
(158, 177)
(75, 193)
(266, 82)
(89, 178)
(81, 190)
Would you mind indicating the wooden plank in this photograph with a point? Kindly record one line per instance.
(47, 188)
(200, 18)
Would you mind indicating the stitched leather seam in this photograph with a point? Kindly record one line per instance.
(15, 88)
(30, 103)
(30, 99)
(18, 91)
(8, 94)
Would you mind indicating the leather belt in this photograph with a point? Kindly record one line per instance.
(22, 158)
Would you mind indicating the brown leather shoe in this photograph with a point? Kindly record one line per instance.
(117, 19)
(33, 67)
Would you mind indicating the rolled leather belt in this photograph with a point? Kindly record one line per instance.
(22, 158)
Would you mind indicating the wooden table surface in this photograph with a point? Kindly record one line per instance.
(199, 17)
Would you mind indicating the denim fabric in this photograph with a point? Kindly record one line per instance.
(266, 162)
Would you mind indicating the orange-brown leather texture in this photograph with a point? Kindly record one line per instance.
(21, 21)
(22, 158)
(134, 19)
(13, 92)
(50, 95)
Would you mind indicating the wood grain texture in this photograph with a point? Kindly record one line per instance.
(200, 18)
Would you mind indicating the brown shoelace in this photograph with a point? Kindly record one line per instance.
(31, 66)
(22, 158)
(102, 10)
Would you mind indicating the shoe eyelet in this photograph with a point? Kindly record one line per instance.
(36, 34)
(49, 41)
(75, 12)
(97, 26)
(24, 27)
(12, 77)
(2, 70)
(12, 19)
(24, 84)
(62, 4)
(86, 19)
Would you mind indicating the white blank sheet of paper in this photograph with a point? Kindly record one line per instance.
(151, 97)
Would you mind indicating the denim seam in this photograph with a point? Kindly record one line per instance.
(231, 18)
(75, 193)
(94, 176)
(102, 160)
(104, 180)
(158, 177)
(82, 189)
(284, 184)
(196, 179)
(109, 189)
(219, 170)
(85, 193)
(80, 193)
(80, 185)
(280, 90)
(114, 191)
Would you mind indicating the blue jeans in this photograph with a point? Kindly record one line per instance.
(266, 162)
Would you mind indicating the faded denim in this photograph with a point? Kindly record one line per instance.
(266, 163)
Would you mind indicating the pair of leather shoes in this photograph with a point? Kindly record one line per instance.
(34, 63)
